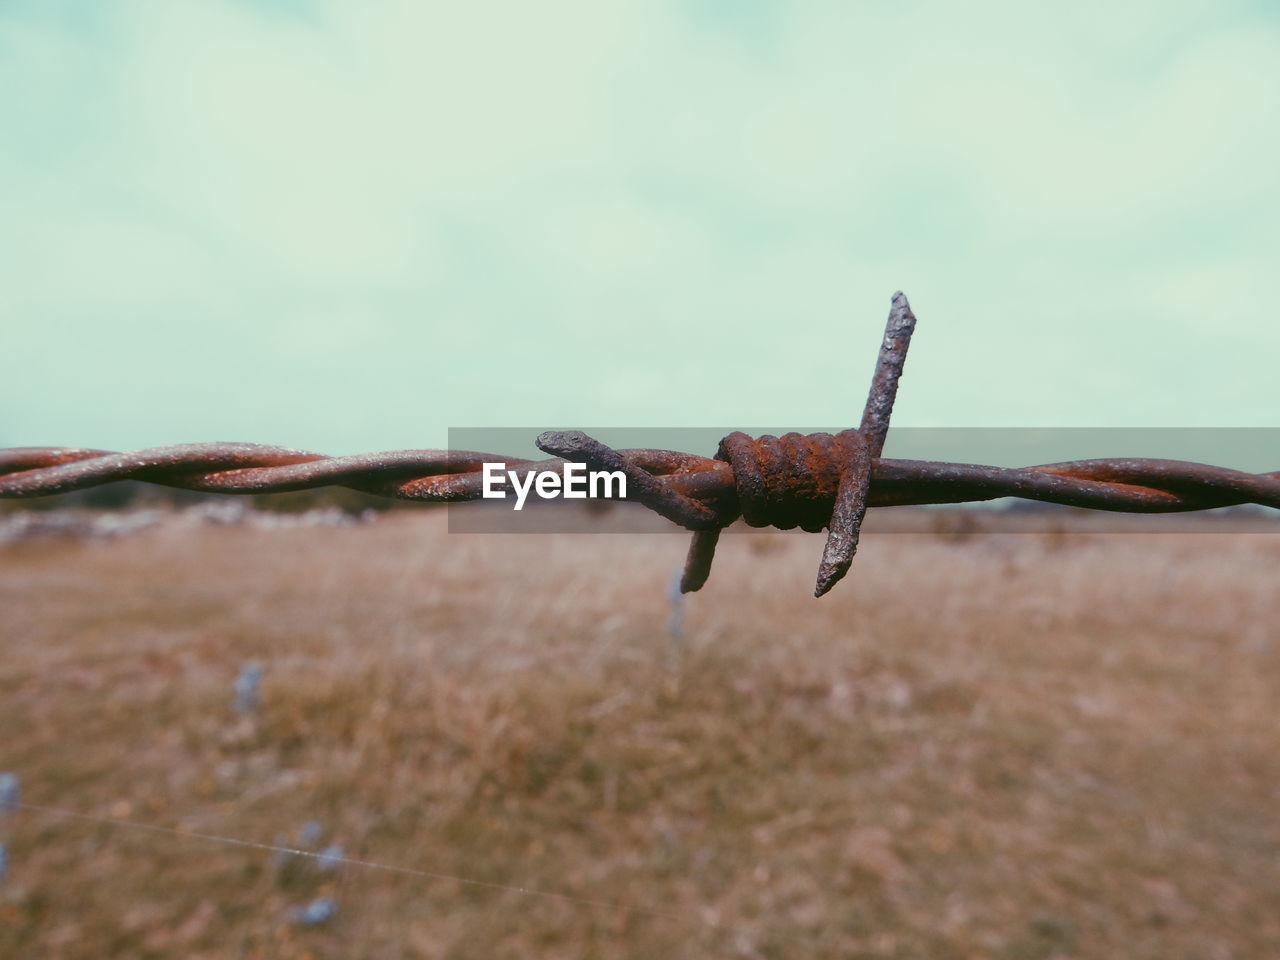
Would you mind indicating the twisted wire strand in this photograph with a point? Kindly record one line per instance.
(814, 481)
(444, 476)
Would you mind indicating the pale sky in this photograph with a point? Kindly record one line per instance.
(348, 226)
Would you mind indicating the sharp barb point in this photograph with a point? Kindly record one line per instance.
(829, 574)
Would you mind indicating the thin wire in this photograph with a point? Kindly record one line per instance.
(369, 864)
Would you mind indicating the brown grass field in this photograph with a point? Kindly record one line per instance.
(1004, 746)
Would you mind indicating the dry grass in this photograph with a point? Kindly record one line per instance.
(1014, 747)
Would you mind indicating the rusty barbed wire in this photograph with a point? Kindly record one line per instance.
(812, 481)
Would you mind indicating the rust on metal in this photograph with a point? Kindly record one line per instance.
(642, 486)
(812, 481)
(818, 480)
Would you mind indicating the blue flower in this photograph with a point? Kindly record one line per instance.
(10, 794)
(247, 696)
(330, 857)
(315, 912)
(309, 835)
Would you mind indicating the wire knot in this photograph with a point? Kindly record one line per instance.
(792, 481)
(808, 481)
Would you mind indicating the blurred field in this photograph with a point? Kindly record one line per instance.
(1009, 746)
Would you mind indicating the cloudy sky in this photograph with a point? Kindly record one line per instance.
(348, 225)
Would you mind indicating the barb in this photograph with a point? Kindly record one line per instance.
(815, 481)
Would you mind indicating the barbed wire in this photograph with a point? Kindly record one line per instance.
(811, 481)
